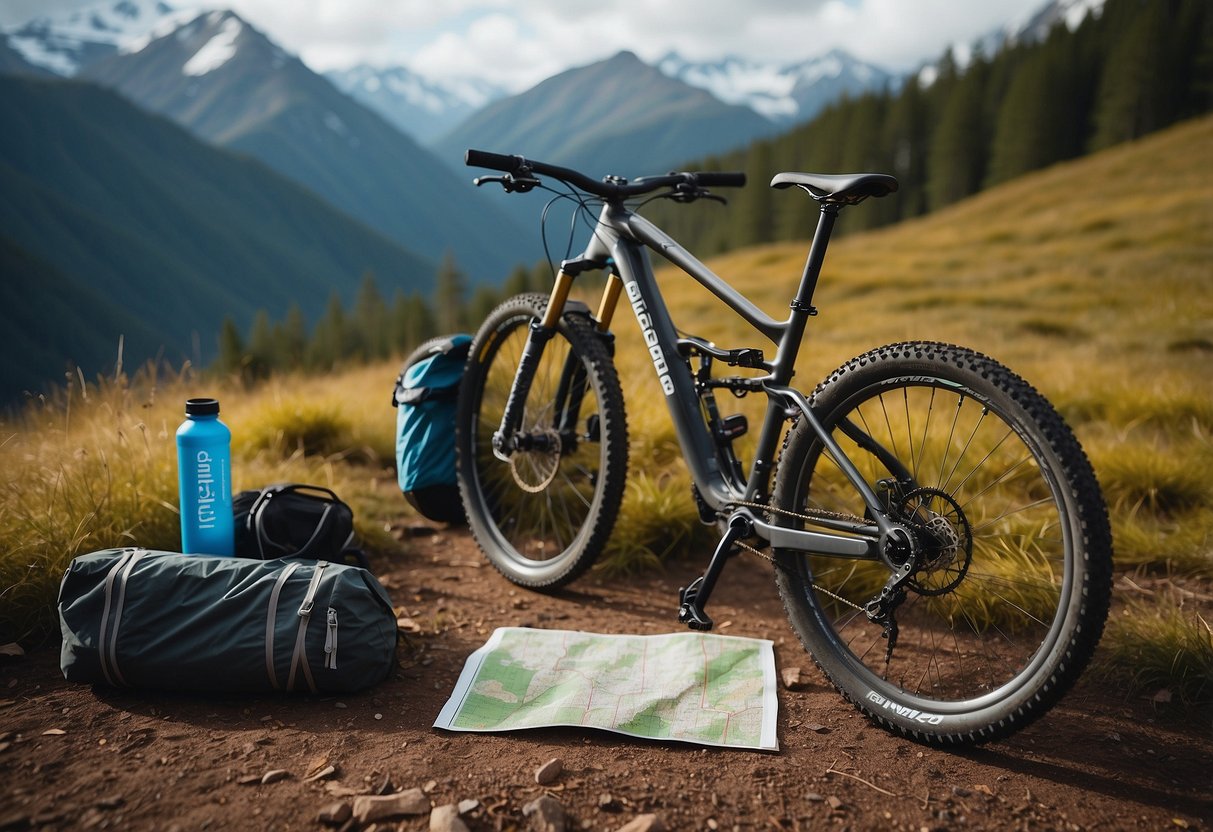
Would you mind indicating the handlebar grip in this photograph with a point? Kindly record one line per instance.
(493, 161)
(721, 180)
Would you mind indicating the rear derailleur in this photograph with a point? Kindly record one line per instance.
(901, 553)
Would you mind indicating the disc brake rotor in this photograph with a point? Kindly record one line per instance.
(945, 537)
(535, 469)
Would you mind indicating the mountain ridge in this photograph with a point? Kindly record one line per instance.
(175, 232)
(229, 84)
(784, 92)
(421, 107)
(614, 116)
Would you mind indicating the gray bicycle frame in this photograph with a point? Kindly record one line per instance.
(619, 241)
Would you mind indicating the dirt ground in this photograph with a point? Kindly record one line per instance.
(77, 757)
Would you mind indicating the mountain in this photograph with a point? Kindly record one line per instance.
(422, 108)
(52, 322)
(1025, 32)
(120, 222)
(64, 42)
(13, 62)
(1070, 12)
(618, 116)
(783, 93)
(230, 85)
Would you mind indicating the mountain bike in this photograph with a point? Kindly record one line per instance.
(939, 538)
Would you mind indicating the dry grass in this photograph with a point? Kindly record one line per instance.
(1091, 279)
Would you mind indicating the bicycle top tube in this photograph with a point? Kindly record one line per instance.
(521, 173)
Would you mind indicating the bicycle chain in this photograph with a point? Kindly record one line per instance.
(816, 514)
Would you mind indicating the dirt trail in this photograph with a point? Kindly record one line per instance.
(75, 757)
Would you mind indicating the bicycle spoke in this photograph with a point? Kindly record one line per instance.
(926, 427)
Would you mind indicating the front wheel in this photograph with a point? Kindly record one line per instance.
(1011, 543)
(543, 513)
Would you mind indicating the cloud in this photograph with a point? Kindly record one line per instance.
(519, 42)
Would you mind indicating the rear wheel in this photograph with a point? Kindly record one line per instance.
(543, 515)
(1012, 545)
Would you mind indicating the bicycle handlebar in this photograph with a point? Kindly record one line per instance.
(520, 166)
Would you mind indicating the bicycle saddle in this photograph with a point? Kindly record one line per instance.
(847, 188)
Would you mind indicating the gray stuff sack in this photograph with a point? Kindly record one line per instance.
(146, 619)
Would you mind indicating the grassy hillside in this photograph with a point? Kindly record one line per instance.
(1091, 279)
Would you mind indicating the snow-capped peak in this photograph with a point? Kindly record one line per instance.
(219, 49)
(780, 92)
(64, 41)
(423, 107)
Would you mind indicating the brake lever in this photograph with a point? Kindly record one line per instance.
(687, 195)
(510, 184)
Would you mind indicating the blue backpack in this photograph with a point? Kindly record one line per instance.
(425, 395)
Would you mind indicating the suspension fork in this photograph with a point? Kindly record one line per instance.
(507, 438)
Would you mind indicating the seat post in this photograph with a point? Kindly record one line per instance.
(802, 304)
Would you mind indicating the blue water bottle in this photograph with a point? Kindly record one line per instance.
(204, 466)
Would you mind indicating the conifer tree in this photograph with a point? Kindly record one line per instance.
(907, 137)
(958, 150)
(291, 338)
(369, 320)
(260, 356)
(518, 281)
(541, 278)
(412, 322)
(752, 206)
(1143, 81)
(231, 347)
(484, 300)
(330, 341)
(450, 289)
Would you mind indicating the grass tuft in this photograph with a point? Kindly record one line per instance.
(1153, 646)
(1159, 480)
(312, 428)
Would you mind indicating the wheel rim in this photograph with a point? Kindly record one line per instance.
(980, 617)
(537, 503)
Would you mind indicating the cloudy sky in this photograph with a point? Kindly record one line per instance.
(519, 42)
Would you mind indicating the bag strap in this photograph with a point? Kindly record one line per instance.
(110, 579)
(299, 657)
(256, 522)
(321, 527)
(271, 622)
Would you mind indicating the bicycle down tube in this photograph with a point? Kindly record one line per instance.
(620, 239)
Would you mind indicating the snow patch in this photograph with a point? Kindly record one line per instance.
(1077, 13)
(172, 21)
(413, 90)
(54, 55)
(217, 51)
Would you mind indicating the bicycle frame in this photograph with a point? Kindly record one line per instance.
(619, 243)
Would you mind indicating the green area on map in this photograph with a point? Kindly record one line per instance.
(694, 686)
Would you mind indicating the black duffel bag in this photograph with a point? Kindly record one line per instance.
(146, 619)
(290, 519)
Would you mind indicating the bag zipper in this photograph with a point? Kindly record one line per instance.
(330, 642)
